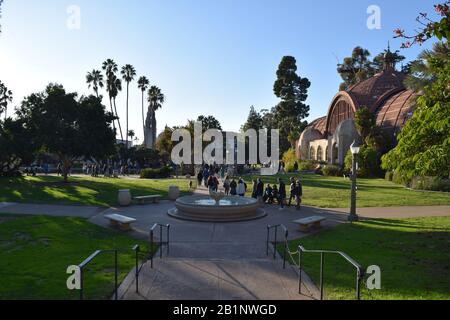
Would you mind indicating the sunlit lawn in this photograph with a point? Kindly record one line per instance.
(36, 251)
(413, 255)
(81, 190)
(334, 192)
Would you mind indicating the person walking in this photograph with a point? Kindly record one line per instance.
(260, 190)
(281, 193)
(254, 187)
(226, 185)
(233, 187)
(292, 191)
(241, 188)
(299, 194)
(199, 178)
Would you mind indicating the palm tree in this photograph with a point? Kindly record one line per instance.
(155, 99)
(95, 79)
(143, 84)
(128, 73)
(116, 87)
(421, 72)
(111, 68)
(6, 96)
(131, 134)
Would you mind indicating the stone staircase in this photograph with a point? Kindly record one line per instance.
(210, 279)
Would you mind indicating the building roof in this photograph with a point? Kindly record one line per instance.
(369, 92)
(319, 125)
(395, 110)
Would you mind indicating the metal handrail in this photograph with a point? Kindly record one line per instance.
(275, 228)
(358, 267)
(301, 249)
(161, 242)
(87, 261)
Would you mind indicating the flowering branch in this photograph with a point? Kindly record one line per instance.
(430, 28)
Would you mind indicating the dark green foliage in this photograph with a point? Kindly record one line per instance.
(254, 120)
(17, 146)
(368, 161)
(163, 172)
(358, 67)
(209, 122)
(292, 89)
(332, 171)
(431, 183)
(424, 143)
(66, 127)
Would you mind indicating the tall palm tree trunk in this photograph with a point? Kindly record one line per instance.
(143, 118)
(118, 120)
(126, 132)
(112, 111)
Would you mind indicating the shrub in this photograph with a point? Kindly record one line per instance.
(289, 159)
(332, 171)
(163, 172)
(430, 183)
(399, 178)
(389, 175)
(368, 162)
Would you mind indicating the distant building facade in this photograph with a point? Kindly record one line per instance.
(329, 138)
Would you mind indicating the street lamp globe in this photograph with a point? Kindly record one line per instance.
(355, 147)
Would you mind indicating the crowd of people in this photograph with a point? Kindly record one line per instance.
(271, 193)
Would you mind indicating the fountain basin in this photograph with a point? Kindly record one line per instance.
(228, 209)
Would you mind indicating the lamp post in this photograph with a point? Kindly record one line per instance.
(354, 148)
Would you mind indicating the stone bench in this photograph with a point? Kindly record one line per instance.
(122, 222)
(144, 199)
(306, 223)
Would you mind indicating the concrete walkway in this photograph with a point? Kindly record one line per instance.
(217, 260)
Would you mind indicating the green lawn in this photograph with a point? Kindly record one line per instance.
(35, 252)
(413, 255)
(334, 192)
(80, 190)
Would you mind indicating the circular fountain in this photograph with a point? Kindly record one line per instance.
(217, 207)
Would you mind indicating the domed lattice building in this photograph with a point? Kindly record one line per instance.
(329, 138)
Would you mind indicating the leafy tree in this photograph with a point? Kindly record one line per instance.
(6, 97)
(293, 92)
(128, 73)
(17, 145)
(68, 127)
(254, 120)
(95, 79)
(368, 162)
(113, 86)
(365, 122)
(209, 122)
(164, 142)
(424, 143)
(378, 60)
(355, 68)
(143, 84)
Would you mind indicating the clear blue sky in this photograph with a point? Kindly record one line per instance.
(211, 57)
